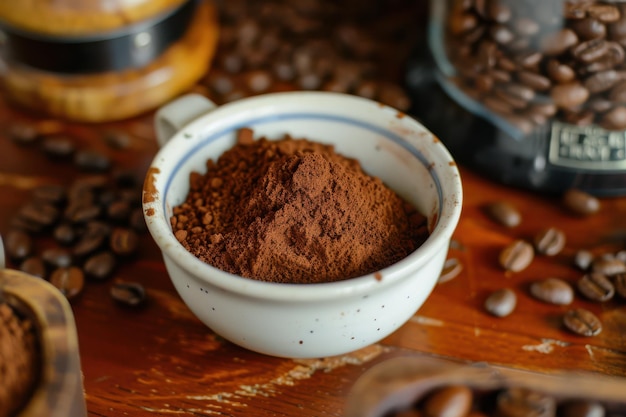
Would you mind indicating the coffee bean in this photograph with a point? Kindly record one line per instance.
(70, 281)
(608, 266)
(65, 234)
(534, 81)
(605, 13)
(501, 303)
(137, 221)
(559, 72)
(582, 322)
(43, 215)
(569, 95)
(23, 133)
(92, 239)
(553, 291)
(581, 408)
(123, 241)
(580, 202)
(602, 81)
(504, 213)
(128, 293)
(449, 401)
(34, 266)
(117, 139)
(119, 210)
(619, 282)
(82, 213)
(550, 241)
(596, 287)
(57, 257)
(516, 256)
(49, 194)
(100, 266)
(614, 119)
(19, 244)
(590, 51)
(92, 161)
(589, 28)
(558, 42)
(523, 402)
(452, 267)
(583, 259)
(58, 146)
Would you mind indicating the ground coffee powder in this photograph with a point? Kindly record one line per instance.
(18, 360)
(293, 210)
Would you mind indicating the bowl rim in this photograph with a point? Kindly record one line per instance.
(440, 234)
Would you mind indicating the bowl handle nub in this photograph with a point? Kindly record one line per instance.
(172, 117)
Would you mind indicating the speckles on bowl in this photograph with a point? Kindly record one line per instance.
(378, 276)
(150, 212)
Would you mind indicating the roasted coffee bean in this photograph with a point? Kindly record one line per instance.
(128, 293)
(501, 303)
(581, 408)
(70, 281)
(49, 194)
(596, 287)
(23, 133)
(582, 322)
(65, 234)
(523, 402)
(19, 244)
(583, 259)
(569, 95)
(58, 146)
(503, 213)
(553, 291)
(517, 255)
(580, 202)
(559, 72)
(92, 239)
(589, 28)
(34, 266)
(92, 161)
(590, 51)
(619, 281)
(558, 42)
(123, 241)
(119, 210)
(43, 215)
(550, 241)
(534, 81)
(452, 267)
(608, 266)
(393, 96)
(449, 401)
(100, 266)
(117, 139)
(614, 119)
(57, 257)
(602, 81)
(605, 13)
(79, 213)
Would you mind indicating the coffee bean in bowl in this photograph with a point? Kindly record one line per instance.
(323, 315)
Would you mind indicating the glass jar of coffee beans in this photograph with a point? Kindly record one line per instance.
(546, 78)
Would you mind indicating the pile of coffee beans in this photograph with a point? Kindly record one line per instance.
(346, 46)
(462, 400)
(72, 233)
(533, 60)
(601, 276)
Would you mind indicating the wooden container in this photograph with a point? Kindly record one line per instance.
(397, 383)
(59, 390)
(101, 61)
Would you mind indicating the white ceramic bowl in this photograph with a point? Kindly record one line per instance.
(305, 320)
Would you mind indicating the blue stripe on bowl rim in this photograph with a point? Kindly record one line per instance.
(394, 137)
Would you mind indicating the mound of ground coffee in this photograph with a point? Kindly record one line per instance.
(18, 360)
(293, 210)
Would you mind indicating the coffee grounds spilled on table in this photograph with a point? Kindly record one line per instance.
(19, 363)
(294, 211)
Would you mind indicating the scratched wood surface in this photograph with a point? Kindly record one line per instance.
(160, 360)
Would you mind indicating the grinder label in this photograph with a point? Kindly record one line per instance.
(587, 147)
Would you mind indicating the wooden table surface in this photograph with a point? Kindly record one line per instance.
(159, 360)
